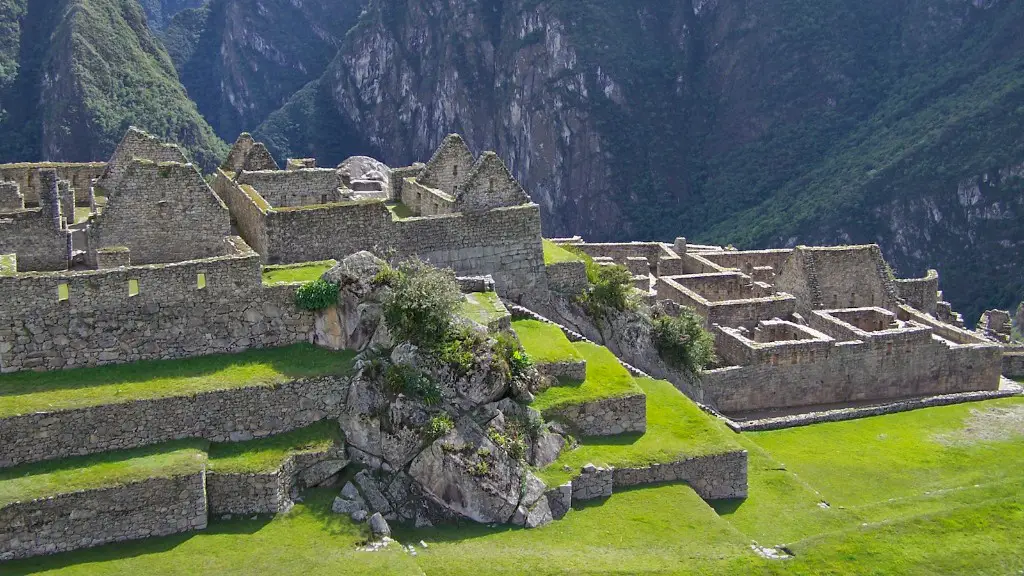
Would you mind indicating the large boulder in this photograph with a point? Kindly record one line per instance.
(356, 323)
(357, 171)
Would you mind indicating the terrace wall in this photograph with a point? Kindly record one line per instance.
(76, 520)
(567, 277)
(231, 415)
(169, 317)
(259, 493)
(713, 477)
(607, 417)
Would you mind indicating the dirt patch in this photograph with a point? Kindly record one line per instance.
(987, 425)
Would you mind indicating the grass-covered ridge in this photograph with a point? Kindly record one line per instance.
(267, 454)
(545, 342)
(27, 392)
(606, 379)
(554, 254)
(676, 430)
(30, 481)
(300, 272)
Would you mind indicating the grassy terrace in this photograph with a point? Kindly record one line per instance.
(483, 307)
(301, 272)
(553, 253)
(545, 343)
(875, 521)
(267, 454)
(606, 378)
(30, 481)
(399, 211)
(28, 392)
(676, 429)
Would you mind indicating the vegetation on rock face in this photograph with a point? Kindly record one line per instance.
(316, 295)
(610, 288)
(421, 302)
(682, 340)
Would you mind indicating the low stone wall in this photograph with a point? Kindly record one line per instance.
(569, 369)
(154, 507)
(567, 277)
(264, 492)
(713, 477)
(607, 417)
(1013, 364)
(220, 416)
(593, 482)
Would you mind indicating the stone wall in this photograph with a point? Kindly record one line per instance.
(163, 213)
(11, 198)
(289, 188)
(170, 316)
(239, 150)
(264, 492)
(231, 415)
(137, 144)
(593, 482)
(619, 252)
(1013, 363)
(745, 312)
(398, 177)
(449, 167)
(38, 235)
(713, 477)
(78, 174)
(426, 201)
(838, 277)
(248, 211)
(567, 277)
(746, 260)
(328, 231)
(607, 417)
(921, 293)
(571, 370)
(490, 186)
(154, 507)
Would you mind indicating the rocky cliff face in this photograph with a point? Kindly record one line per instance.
(754, 123)
(241, 60)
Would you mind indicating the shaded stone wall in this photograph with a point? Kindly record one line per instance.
(288, 188)
(747, 260)
(163, 213)
(231, 415)
(78, 174)
(567, 277)
(248, 211)
(171, 316)
(607, 417)
(10, 197)
(839, 277)
(490, 186)
(38, 235)
(154, 507)
(449, 167)
(1013, 363)
(713, 477)
(425, 201)
(266, 492)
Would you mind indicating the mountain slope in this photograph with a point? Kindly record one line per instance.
(240, 60)
(755, 123)
(86, 70)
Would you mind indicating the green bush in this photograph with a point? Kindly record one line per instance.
(439, 425)
(610, 288)
(316, 295)
(458, 349)
(421, 304)
(403, 379)
(510, 354)
(682, 340)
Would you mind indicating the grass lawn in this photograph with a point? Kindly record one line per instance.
(676, 429)
(545, 343)
(901, 455)
(267, 454)
(30, 481)
(399, 211)
(483, 307)
(301, 272)
(606, 378)
(28, 392)
(553, 253)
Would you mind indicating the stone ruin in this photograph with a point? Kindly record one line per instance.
(140, 258)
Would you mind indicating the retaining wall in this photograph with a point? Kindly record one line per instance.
(607, 417)
(154, 507)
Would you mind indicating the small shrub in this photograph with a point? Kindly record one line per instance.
(480, 469)
(421, 304)
(682, 340)
(610, 289)
(512, 354)
(458, 349)
(439, 425)
(512, 443)
(316, 295)
(484, 452)
(402, 379)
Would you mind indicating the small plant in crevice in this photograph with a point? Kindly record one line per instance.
(458, 348)
(479, 469)
(512, 440)
(682, 341)
(508, 351)
(438, 426)
(408, 380)
(318, 294)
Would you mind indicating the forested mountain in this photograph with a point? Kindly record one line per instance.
(74, 74)
(757, 124)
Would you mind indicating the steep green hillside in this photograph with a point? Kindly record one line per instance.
(87, 69)
(160, 12)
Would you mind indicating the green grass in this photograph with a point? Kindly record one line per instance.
(606, 378)
(899, 455)
(301, 272)
(553, 254)
(267, 454)
(400, 211)
(544, 342)
(27, 392)
(30, 481)
(483, 307)
(676, 429)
